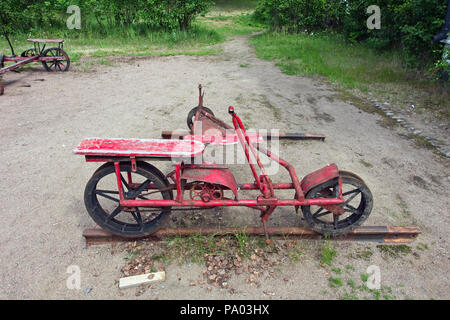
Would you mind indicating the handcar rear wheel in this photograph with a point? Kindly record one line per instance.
(191, 115)
(56, 64)
(101, 198)
(358, 205)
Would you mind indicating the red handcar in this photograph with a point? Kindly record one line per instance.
(132, 198)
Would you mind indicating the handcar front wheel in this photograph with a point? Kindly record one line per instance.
(101, 198)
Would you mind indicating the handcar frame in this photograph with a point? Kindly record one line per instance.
(207, 183)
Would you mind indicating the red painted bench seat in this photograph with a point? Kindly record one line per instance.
(150, 148)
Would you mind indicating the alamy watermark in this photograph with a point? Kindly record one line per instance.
(74, 21)
(374, 20)
(374, 279)
(73, 282)
(227, 149)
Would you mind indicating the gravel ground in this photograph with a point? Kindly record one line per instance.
(43, 210)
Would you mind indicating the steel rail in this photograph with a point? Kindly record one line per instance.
(380, 234)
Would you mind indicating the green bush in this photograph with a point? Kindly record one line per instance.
(408, 24)
(298, 15)
(26, 15)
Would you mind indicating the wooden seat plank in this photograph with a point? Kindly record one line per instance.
(139, 147)
(46, 40)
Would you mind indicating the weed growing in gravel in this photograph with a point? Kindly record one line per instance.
(335, 282)
(293, 249)
(364, 277)
(242, 240)
(336, 270)
(348, 296)
(192, 248)
(351, 283)
(360, 253)
(422, 246)
(132, 254)
(328, 253)
(349, 268)
(394, 251)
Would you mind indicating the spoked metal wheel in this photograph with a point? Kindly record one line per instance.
(191, 116)
(28, 53)
(56, 64)
(101, 198)
(357, 207)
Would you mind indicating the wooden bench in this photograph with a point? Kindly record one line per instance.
(46, 40)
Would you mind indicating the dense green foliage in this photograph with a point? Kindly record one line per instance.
(408, 24)
(26, 15)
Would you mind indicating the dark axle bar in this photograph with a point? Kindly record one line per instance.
(179, 134)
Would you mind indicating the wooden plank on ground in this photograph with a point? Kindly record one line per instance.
(134, 281)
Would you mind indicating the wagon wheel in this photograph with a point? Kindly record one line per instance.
(191, 116)
(101, 198)
(357, 206)
(56, 65)
(28, 53)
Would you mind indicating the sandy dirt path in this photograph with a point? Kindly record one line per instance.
(43, 213)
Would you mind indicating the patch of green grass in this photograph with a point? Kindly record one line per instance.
(327, 253)
(329, 55)
(132, 254)
(243, 243)
(349, 268)
(422, 246)
(230, 26)
(193, 247)
(376, 294)
(235, 5)
(244, 65)
(386, 289)
(394, 251)
(295, 251)
(335, 282)
(348, 296)
(364, 277)
(91, 42)
(163, 257)
(336, 270)
(137, 40)
(351, 283)
(360, 253)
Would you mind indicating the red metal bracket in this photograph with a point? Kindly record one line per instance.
(180, 192)
(133, 164)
